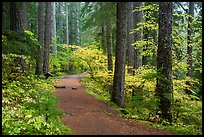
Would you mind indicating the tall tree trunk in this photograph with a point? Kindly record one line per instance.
(77, 23)
(13, 16)
(155, 36)
(138, 35)
(130, 39)
(60, 23)
(23, 17)
(67, 36)
(71, 38)
(109, 52)
(189, 47)
(67, 25)
(119, 74)
(39, 60)
(18, 21)
(54, 47)
(164, 60)
(103, 37)
(46, 62)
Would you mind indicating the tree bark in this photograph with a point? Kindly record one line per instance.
(119, 74)
(67, 25)
(189, 47)
(39, 60)
(164, 60)
(109, 52)
(77, 23)
(130, 39)
(71, 38)
(23, 17)
(60, 23)
(103, 37)
(46, 62)
(18, 21)
(137, 35)
(54, 47)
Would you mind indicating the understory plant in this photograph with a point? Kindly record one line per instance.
(140, 100)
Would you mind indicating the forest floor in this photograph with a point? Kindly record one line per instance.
(86, 115)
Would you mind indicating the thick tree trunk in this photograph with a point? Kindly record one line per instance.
(137, 35)
(18, 21)
(54, 47)
(119, 74)
(164, 60)
(189, 47)
(46, 62)
(109, 52)
(39, 60)
(130, 39)
(13, 17)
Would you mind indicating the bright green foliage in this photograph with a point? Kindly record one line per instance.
(66, 62)
(140, 99)
(12, 70)
(59, 64)
(100, 79)
(149, 26)
(22, 43)
(93, 59)
(29, 108)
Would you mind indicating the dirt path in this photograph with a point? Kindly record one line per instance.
(87, 115)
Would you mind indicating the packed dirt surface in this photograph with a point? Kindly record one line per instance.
(87, 115)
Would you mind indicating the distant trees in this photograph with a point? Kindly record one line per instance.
(119, 73)
(164, 60)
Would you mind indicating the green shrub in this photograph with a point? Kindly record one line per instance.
(29, 108)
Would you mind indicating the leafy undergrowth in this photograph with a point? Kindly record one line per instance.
(29, 108)
(140, 100)
(187, 116)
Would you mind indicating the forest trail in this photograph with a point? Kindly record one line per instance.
(87, 115)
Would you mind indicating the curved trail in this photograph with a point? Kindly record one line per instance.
(87, 115)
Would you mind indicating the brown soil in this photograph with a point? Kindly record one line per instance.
(87, 115)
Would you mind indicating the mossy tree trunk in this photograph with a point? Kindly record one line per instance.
(119, 73)
(109, 51)
(164, 60)
(138, 35)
